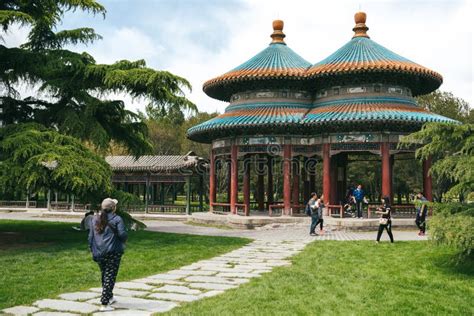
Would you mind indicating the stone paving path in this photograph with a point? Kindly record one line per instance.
(205, 278)
(163, 292)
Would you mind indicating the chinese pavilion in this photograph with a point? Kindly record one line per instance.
(283, 109)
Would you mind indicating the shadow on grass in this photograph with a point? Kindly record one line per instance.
(451, 264)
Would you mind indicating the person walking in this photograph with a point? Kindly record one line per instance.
(313, 211)
(359, 195)
(320, 208)
(421, 211)
(107, 238)
(385, 219)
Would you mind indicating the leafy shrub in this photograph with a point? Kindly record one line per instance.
(453, 225)
(125, 201)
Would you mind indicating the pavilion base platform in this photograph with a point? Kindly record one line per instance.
(255, 221)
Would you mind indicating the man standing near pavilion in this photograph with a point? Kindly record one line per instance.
(359, 195)
(421, 210)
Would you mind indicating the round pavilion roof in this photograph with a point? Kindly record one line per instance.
(269, 116)
(381, 113)
(361, 55)
(267, 69)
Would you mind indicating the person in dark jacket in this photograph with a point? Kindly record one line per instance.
(421, 210)
(385, 219)
(320, 206)
(359, 195)
(314, 213)
(107, 238)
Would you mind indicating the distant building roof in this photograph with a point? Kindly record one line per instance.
(154, 163)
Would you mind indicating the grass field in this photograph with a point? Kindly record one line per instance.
(353, 278)
(43, 259)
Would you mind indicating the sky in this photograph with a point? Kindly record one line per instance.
(202, 39)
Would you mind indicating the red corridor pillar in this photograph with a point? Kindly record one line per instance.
(212, 182)
(246, 185)
(427, 181)
(260, 184)
(286, 179)
(296, 183)
(327, 173)
(234, 179)
(269, 182)
(386, 174)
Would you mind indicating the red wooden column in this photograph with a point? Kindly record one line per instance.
(234, 179)
(260, 185)
(334, 177)
(212, 182)
(427, 181)
(246, 185)
(327, 173)
(386, 174)
(269, 182)
(229, 178)
(286, 179)
(392, 162)
(304, 177)
(296, 183)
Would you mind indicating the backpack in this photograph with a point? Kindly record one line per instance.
(307, 209)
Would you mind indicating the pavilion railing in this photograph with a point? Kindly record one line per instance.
(273, 207)
(220, 208)
(398, 211)
(161, 208)
(242, 209)
(339, 208)
(298, 210)
(17, 204)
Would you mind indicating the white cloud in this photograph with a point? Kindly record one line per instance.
(436, 33)
(125, 43)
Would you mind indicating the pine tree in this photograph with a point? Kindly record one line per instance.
(72, 88)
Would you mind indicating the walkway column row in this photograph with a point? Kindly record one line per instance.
(386, 172)
(234, 179)
(287, 179)
(332, 185)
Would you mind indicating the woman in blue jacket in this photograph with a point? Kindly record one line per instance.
(107, 237)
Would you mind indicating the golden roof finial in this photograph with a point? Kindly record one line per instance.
(278, 35)
(360, 29)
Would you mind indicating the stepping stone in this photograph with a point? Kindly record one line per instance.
(175, 297)
(236, 269)
(237, 275)
(134, 303)
(55, 314)
(193, 272)
(211, 279)
(211, 293)
(79, 296)
(212, 286)
(166, 276)
(66, 306)
(177, 289)
(20, 310)
(161, 281)
(134, 286)
(122, 292)
(260, 271)
(124, 312)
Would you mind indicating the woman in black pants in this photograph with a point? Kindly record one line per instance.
(107, 237)
(385, 219)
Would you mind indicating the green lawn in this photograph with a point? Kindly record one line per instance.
(43, 259)
(353, 278)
